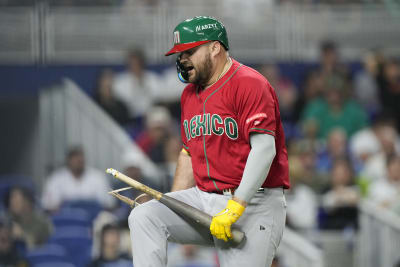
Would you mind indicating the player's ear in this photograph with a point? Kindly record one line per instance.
(215, 48)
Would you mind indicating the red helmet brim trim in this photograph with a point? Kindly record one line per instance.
(178, 48)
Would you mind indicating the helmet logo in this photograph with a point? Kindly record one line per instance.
(206, 26)
(177, 38)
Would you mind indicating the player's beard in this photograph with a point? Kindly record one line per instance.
(203, 72)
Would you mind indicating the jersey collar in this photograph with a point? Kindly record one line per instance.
(222, 80)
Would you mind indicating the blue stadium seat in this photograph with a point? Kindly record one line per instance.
(77, 241)
(71, 217)
(54, 264)
(47, 253)
(91, 207)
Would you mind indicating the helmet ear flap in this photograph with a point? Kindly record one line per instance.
(183, 74)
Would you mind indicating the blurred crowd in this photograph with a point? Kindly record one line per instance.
(343, 139)
(342, 131)
(74, 221)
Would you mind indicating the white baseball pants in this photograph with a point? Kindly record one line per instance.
(152, 225)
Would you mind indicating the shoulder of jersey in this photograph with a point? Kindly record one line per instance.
(249, 75)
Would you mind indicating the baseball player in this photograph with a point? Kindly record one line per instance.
(233, 164)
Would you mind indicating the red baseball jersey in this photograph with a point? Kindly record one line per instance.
(216, 124)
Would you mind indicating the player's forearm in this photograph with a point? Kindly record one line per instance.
(258, 163)
(183, 178)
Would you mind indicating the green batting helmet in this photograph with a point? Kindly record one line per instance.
(197, 31)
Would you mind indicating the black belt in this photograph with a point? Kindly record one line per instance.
(231, 191)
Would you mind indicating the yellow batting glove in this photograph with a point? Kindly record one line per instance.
(221, 223)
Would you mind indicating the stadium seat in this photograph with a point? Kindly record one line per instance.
(71, 217)
(54, 264)
(77, 242)
(91, 207)
(47, 253)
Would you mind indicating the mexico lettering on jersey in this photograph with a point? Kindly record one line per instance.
(210, 124)
(216, 124)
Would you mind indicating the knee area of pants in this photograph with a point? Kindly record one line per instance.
(140, 213)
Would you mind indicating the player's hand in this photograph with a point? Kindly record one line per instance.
(221, 223)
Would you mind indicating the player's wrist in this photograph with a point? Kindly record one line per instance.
(240, 201)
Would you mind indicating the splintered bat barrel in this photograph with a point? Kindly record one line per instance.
(175, 205)
(197, 215)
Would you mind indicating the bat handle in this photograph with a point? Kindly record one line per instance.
(237, 236)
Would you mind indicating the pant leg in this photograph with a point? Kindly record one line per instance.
(263, 222)
(152, 225)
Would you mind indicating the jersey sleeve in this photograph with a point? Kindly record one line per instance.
(256, 104)
(184, 125)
